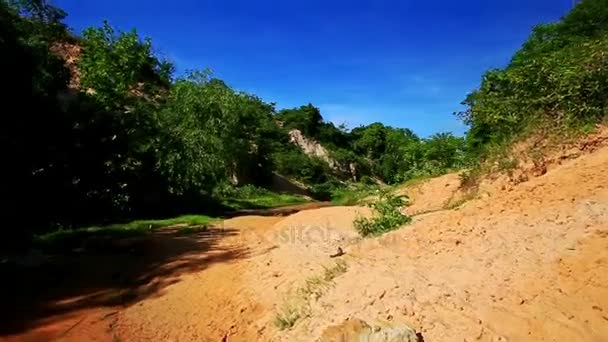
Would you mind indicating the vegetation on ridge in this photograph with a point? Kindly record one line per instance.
(132, 140)
(558, 79)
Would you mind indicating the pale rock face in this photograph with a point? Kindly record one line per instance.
(311, 147)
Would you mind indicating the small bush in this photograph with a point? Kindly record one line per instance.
(469, 179)
(325, 191)
(387, 215)
(287, 318)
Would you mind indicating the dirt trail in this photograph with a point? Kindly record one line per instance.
(208, 305)
(529, 264)
(237, 299)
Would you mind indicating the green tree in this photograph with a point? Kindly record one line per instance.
(190, 150)
(444, 150)
(31, 137)
(307, 119)
(370, 140)
(40, 10)
(117, 67)
(210, 133)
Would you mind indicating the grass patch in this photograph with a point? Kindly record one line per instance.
(355, 193)
(507, 165)
(287, 317)
(417, 180)
(332, 272)
(187, 220)
(387, 215)
(314, 287)
(264, 201)
(543, 137)
(470, 179)
(253, 197)
(66, 239)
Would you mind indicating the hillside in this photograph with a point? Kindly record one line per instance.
(520, 264)
(103, 120)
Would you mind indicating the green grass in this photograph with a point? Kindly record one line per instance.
(65, 239)
(254, 197)
(264, 201)
(354, 193)
(287, 317)
(420, 179)
(346, 197)
(314, 287)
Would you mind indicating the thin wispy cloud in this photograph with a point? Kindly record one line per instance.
(419, 85)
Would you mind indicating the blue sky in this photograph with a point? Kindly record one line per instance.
(404, 63)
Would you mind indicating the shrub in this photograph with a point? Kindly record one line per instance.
(557, 80)
(387, 215)
(292, 162)
(227, 190)
(325, 191)
(469, 178)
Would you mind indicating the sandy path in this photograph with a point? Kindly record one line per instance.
(526, 265)
(204, 306)
(237, 299)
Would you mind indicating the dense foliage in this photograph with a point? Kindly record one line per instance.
(129, 141)
(32, 139)
(116, 136)
(398, 155)
(388, 154)
(559, 78)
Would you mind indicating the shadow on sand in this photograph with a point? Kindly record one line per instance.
(117, 272)
(110, 272)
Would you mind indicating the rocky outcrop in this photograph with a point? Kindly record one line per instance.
(358, 330)
(311, 147)
(70, 53)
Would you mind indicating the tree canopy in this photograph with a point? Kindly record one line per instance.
(558, 78)
(133, 139)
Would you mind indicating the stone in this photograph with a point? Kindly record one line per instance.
(358, 330)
